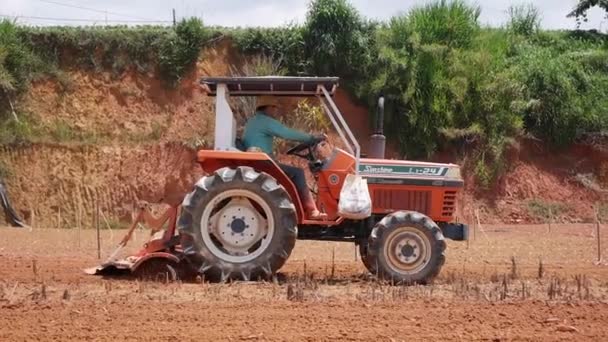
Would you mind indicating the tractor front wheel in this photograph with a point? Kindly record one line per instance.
(238, 224)
(405, 247)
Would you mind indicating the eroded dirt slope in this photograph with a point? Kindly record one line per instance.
(137, 133)
(60, 186)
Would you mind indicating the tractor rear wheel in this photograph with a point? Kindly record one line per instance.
(406, 247)
(237, 224)
(157, 269)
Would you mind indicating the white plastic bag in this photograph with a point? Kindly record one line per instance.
(355, 202)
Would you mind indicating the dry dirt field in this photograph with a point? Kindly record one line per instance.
(493, 289)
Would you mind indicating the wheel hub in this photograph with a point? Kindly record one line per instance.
(236, 230)
(407, 250)
(238, 225)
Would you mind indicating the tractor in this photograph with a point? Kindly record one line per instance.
(242, 219)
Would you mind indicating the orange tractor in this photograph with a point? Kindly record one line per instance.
(242, 220)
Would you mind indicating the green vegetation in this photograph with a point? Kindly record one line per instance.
(446, 79)
(26, 51)
(580, 10)
(545, 210)
(524, 19)
(449, 81)
(180, 50)
(308, 117)
(602, 211)
(5, 170)
(14, 132)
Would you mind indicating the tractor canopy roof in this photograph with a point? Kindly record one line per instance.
(270, 85)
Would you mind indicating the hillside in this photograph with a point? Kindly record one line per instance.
(109, 116)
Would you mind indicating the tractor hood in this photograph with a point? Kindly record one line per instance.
(383, 171)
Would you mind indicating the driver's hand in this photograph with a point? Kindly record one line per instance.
(320, 137)
(324, 150)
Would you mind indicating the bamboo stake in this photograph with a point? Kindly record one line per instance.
(475, 230)
(33, 217)
(105, 219)
(97, 227)
(333, 262)
(79, 216)
(469, 237)
(479, 225)
(550, 218)
(599, 239)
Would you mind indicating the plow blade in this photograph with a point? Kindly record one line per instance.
(156, 266)
(115, 268)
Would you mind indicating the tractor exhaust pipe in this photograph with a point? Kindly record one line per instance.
(378, 140)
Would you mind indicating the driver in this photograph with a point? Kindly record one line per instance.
(259, 133)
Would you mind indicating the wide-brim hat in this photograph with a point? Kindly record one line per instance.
(266, 101)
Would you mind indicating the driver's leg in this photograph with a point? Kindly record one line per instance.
(298, 178)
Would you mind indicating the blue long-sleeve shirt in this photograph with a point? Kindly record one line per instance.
(261, 129)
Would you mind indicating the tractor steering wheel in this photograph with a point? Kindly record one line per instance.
(309, 146)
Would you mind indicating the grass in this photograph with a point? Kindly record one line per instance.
(5, 171)
(28, 130)
(197, 142)
(18, 132)
(546, 211)
(602, 211)
(61, 131)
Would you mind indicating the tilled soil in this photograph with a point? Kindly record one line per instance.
(494, 289)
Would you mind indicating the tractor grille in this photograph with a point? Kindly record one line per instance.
(449, 203)
(419, 201)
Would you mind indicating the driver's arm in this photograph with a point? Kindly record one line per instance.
(276, 128)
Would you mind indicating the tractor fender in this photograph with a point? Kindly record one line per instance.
(211, 161)
(163, 255)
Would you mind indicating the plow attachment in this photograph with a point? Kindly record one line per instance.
(159, 259)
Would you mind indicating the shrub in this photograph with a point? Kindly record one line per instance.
(524, 19)
(17, 132)
(111, 47)
(18, 64)
(337, 41)
(453, 23)
(283, 45)
(308, 117)
(566, 97)
(179, 52)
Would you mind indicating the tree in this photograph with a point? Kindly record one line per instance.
(580, 11)
(336, 39)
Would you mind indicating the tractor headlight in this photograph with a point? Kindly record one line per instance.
(454, 173)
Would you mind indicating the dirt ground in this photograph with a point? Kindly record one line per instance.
(488, 290)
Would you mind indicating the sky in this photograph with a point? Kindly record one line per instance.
(268, 13)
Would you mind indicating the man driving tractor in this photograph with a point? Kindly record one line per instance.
(259, 133)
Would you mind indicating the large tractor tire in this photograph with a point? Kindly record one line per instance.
(237, 224)
(363, 248)
(406, 247)
(157, 269)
